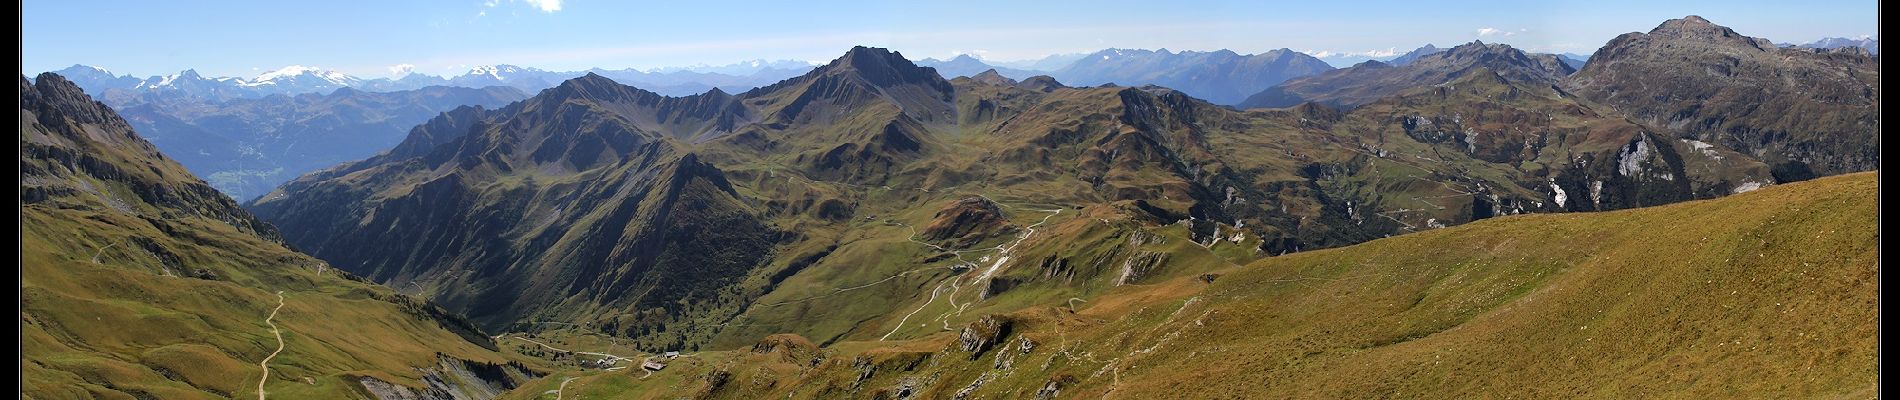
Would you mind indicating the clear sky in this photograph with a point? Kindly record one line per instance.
(375, 38)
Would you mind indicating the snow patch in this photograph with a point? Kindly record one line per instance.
(1707, 150)
(1558, 191)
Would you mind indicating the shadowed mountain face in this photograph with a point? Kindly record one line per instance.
(1221, 77)
(817, 205)
(138, 280)
(1372, 80)
(246, 146)
(1798, 109)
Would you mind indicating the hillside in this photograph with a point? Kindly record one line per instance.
(1703, 81)
(1771, 293)
(138, 280)
(823, 205)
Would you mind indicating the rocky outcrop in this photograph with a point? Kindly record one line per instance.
(1140, 265)
(453, 379)
(965, 222)
(980, 335)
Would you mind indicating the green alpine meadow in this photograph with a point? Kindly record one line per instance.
(543, 199)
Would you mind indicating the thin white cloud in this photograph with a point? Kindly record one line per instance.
(1488, 31)
(547, 6)
(978, 53)
(399, 70)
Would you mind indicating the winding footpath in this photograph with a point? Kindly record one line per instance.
(561, 391)
(1002, 256)
(102, 250)
(280, 345)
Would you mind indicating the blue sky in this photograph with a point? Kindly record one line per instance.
(374, 38)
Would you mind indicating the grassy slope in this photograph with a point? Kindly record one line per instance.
(126, 326)
(112, 305)
(1770, 293)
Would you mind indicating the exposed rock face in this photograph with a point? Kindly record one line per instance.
(986, 332)
(1140, 266)
(968, 221)
(1793, 108)
(453, 380)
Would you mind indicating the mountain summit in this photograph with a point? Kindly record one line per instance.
(1705, 81)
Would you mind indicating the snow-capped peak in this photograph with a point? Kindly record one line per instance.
(100, 70)
(495, 71)
(297, 72)
(293, 70)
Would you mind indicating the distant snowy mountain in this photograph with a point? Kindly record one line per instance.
(300, 79)
(411, 81)
(1872, 45)
(524, 78)
(96, 80)
(186, 83)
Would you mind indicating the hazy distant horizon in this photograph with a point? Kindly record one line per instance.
(372, 40)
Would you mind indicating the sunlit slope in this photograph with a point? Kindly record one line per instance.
(1770, 294)
(138, 280)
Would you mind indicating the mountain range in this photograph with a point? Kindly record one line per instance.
(1372, 80)
(965, 65)
(1476, 221)
(1872, 45)
(573, 205)
(247, 146)
(298, 79)
(1222, 77)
